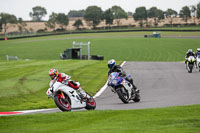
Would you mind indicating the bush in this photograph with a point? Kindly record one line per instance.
(40, 30)
(60, 30)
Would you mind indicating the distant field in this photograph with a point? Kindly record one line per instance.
(130, 46)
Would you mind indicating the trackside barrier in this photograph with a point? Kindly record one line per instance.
(11, 58)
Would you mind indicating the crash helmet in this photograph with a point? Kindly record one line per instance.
(189, 51)
(111, 63)
(53, 73)
(198, 49)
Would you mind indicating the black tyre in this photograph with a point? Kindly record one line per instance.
(63, 104)
(199, 66)
(90, 104)
(190, 68)
(123, 95)
(137, 98)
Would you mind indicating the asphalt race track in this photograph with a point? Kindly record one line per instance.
(161, 84)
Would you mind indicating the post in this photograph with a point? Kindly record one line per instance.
(88, 50)
(7, 57)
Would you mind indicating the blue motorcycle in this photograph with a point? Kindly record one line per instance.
(123, 88)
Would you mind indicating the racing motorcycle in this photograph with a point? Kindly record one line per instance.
(123, 88)
(66, 98)
(190, 63)
(198, 61)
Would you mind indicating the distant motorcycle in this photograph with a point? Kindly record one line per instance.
(198, 61)
(190, 63)
(66, 98)
(123, 88)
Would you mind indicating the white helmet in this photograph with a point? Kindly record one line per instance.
(111, 63)
(198, 49)
(189, 50)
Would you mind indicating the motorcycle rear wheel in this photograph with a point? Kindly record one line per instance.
(137, 98)
(90, 105)
(63, 104)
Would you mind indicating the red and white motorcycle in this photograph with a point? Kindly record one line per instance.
(66, 98)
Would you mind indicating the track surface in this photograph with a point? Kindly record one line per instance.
(161, 84)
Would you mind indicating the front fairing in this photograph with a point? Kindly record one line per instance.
(115, 79)
(191, 59)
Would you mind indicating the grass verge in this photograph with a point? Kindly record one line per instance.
(184, 119)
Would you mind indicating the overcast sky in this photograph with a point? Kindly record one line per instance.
(21, 8)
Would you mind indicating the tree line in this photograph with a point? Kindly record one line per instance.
(94, 15)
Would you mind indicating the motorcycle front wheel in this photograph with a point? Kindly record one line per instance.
(190, 67)
(63, 103)
(123, 94)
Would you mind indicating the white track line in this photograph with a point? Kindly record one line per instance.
(105, 85)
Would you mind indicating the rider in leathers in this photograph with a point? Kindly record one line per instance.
(116, 68)
(188, 54)
(65, 79)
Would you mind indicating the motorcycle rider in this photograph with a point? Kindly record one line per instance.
(65, 79)
(188, 54)
(116, 68)
(197, 52)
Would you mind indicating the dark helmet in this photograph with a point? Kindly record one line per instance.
(111, 63)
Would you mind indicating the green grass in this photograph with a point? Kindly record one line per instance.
(24, 83)
(161, 120)
(121, 46)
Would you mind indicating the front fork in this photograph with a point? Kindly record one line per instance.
(62, 95)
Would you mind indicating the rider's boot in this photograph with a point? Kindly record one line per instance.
(83, 94)
(134, 87)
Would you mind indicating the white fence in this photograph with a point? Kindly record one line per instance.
(12, 58)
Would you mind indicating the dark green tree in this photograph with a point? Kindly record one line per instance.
(129, 13)
(62, 20)
(75, 13)
(78, 23)
(194, 12)
(170, 13)
(51, 23)
(6, 18)
(38, 13)
(198, 10)
(140, 15)
(21, 25)
(185, 13)
(94, 15)
(108, 16)
(156, 14)
(118, 13)
(0, 26)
